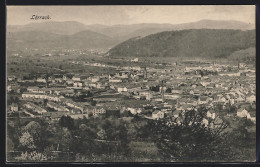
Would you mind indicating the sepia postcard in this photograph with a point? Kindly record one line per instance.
(131, 83)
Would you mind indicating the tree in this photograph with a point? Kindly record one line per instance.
(102, 134)
(67, 121)
(124, 140)
(26, 140)
(188, 138)
(45, 101)
(93, 103)
(39, 133)
(32, 156)
(10, 144)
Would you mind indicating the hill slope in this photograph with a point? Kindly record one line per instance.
(208, 43)
(38, 39)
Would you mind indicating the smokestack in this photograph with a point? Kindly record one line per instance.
(162, 90)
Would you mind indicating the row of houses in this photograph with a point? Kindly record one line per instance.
(40, 96)
(35, 108)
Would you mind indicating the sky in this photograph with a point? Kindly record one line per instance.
(131, 14)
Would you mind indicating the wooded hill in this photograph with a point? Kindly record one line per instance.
(205, 43)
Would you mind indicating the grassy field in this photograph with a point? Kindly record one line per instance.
(144, 151)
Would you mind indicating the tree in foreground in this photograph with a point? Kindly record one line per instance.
(190, 138)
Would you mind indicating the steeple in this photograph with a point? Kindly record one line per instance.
(145, 73)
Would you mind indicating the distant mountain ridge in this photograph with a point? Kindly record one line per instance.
(63, 28)
(38, 39)
(206, 43)
(71, 27)
(74, 34)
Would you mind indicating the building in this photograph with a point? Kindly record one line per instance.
(122, 89)
(134, 60)
(157, 114)
(35, 89)
(54, 115)
(35, 108)
(14, 107)
(251, 98)
(203, 100)
(43, 80)
(242, 113)
(56, 107)
(211, 114)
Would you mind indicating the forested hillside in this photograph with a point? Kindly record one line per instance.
(206, 43)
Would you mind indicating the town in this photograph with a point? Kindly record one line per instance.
(149, 92)
(131, 90)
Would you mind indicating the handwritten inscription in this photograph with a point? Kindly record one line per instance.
(36, 17)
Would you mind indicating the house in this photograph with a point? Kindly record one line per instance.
(205, 122)
(252, 117)
(11, 78)
(67, 92)
(147, 95)
(77, 84)
(80, 77)
(242, 65)
(133, 89)
(122, 74)
(240, 98)
(187, 107)
(14, 107)
(177, 91)
(251, 98)
(78, 116)
(56, 106)
(35, 108)
(211, 85)
(188, 69)
(114, 80)
(40, 96)
(97, 111)
(211, 114)
(134, 60)
(9, 88)
(195, 92)
(34, 95)
(230, 74)
(216, 123)
(43, 80)
(52, 98)
(58, 80)
(182, 101)
(203, 100)
(64, 77)
(122, 89)
(134, 110)
(177, 113)
(76, 78)
(157, 114)
(178, 121)
(34, 89)
(54, 115)
(243, 113)
(95, 78)
(69, 82)
(172, 96)
(204, 83)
